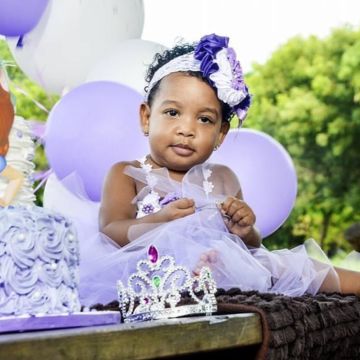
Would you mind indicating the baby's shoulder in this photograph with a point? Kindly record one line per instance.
(121, 165)
(223, 171)
(118, 170)
(225, 178)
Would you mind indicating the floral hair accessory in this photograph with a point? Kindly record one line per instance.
(218, 63)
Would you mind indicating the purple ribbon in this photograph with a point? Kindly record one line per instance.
(42, 175)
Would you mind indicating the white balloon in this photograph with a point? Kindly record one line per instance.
(127, 63)
(72, 36)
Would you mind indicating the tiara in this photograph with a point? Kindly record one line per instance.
(155, 290)
(218, 63)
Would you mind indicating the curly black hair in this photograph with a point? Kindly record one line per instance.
(165, 57)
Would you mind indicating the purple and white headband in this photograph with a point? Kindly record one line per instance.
(217, 62)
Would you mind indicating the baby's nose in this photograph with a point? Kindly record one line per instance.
(186, 128)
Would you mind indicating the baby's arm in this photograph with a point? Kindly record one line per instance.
(117, 213)
(241, 219)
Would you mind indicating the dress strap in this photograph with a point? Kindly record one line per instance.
(208, 186)
(150, 178)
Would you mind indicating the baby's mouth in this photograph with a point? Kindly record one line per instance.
(182, 149)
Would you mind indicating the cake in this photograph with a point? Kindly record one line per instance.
(39, 260)
(39, 250)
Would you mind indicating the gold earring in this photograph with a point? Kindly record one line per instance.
(146, 132)
(216, 147)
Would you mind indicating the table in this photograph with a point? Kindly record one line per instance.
(146, 340)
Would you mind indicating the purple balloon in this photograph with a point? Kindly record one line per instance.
(17, 17)
(266, 173)
(91, 128)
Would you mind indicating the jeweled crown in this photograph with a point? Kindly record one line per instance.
(155, 290)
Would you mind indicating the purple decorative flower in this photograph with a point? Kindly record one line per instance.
(218, 63)
(242, 108)
(147, 209)
(238, 78)
(206, 51)
(210, 44)
(169, 198)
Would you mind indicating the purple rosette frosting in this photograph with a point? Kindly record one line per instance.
(7, 302)
(21, 247)
(39, 262)
(51, 274)
(71, 248)
(21, 281)
(18, 244)
(2, 248)
(39, 301)
(50, 242)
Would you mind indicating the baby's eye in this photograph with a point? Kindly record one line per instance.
(172, 112)
(205, 120)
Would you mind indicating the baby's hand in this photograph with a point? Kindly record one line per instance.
(176, 209)
(239, 216)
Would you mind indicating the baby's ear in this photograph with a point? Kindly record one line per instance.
(225, 126)
(145, 116)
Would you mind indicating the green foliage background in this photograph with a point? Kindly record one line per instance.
(307, 96)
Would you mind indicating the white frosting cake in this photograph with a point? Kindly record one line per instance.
(39, 250)
(39, 262)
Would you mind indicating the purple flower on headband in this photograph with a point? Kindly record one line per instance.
(242, 108)
(206, 51)
(210, 44)
(245, 104)
(219, 65)
(238, 78)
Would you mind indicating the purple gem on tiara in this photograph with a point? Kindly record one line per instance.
(153, 254)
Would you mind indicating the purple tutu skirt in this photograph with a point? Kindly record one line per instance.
(102, 262)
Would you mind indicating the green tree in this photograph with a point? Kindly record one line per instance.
(307, 97)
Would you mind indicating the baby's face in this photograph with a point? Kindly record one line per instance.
(185, 122)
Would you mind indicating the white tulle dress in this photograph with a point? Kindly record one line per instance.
(103, 262)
